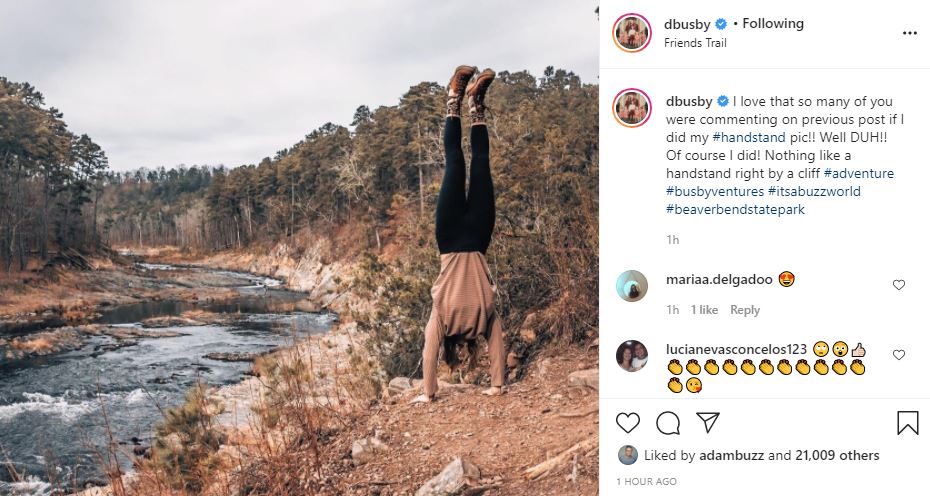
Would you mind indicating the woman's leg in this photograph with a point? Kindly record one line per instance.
(480, 217)
(481, 188)
(450, 208)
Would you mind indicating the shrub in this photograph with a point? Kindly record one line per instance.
(186, 441)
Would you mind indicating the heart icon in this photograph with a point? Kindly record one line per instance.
(628, 421)
(898, 284)
(899, 354)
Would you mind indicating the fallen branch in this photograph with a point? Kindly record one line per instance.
(358, 485)
(15, 476)
(579, 414)
(545, 468)
(479, 490)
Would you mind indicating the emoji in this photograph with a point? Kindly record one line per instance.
(674, 367)
(821, 348)
(857, 367)
(694, 368)
(729, 367)
(820, 367)
(711, 367)
(784, 367)
(765, 366)
(674, 385)
(748, 367)
(840, 348)
(693, 385)
(839, 367)
(858, 351)
(802, 367)
(786, 279)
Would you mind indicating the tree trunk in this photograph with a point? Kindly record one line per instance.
(292, 206)
(420, 169)
(238, 241)
(43, 248)
(12, 248)
(94, 233)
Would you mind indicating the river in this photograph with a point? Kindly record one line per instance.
(51, 406)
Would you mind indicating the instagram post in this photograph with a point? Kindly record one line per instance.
(297, 248)
(761, 251)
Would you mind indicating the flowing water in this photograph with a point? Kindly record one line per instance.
(51, 407)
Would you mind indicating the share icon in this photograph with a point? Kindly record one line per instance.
(709, 418)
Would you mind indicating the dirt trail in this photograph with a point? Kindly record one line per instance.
(538, 418)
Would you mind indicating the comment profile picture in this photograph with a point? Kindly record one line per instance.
(632, 33)
(632, 285)
(632, 107)
(632, 355)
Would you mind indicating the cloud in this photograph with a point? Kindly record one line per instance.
(233, 81)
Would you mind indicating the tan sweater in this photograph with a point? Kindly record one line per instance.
(463, 306)
(463, 295)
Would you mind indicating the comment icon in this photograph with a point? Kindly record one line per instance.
(668, 423)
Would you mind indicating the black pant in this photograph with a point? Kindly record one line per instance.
(465, 224)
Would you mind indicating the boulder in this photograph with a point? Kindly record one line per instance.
(513, 360)
(528, 328)
(367, 449)
(584, 378)
(457, 476)
(235, 356)
(531, 320)
(543, 368)
(528, 335)
(399, 385)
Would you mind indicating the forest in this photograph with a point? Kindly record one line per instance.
(376, 180)
(51, 180)
(543, 140)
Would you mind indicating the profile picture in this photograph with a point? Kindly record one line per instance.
(632, 107)
(632, 33)
(632, 356)
(632, 285)
(628, 454)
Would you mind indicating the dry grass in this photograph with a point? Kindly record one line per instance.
(307, 393)
(39, 345)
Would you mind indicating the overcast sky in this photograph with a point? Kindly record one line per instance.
(230, 82)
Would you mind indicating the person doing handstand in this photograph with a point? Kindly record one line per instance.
(463, 294)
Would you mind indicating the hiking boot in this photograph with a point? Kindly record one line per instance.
(457, 85)
(476, 92)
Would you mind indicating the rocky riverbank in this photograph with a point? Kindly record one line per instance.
(539, 438)
(310, 271)
(71, 296)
